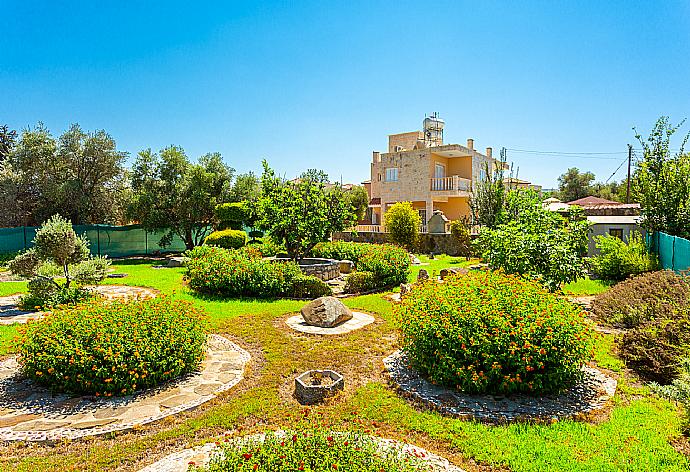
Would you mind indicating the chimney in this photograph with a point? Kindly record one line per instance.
(470, 143)
(489, 151)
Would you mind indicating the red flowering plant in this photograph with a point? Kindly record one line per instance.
(488, 332)
(314, 449)
(113, 348)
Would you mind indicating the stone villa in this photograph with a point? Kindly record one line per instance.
(419, 168)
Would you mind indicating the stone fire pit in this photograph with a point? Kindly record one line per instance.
(314, 386)
(324, 269)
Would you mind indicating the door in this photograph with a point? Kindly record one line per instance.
(439, 175)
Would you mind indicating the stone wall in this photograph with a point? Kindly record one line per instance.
(442, 243)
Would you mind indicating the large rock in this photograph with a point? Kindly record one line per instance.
(177, 261)
(453, 271)
(423, 275)
(346, 266)
(325, 312)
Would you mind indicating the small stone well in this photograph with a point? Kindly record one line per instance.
(314, 386)
(324, 269)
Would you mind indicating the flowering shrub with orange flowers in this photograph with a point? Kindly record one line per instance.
(218, 271)
(488, 332)
(113, 348)
(314, 450)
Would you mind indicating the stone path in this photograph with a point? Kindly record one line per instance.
(359, 320)
(31, 413)
(10, 313)
(591, 394)
(201, 456)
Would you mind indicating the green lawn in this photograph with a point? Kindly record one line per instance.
(586, 286)
(635, 437)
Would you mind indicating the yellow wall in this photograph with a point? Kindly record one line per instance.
(461, 166)
(455, 208)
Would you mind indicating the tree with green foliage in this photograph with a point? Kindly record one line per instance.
(402, 222)
(300, 214)
(246, 188)
(661, 182)
(537, 243)
(58, 245)
(174, 195)
(460, 231)
(614, 191)
(315, 175)
(358, 198)
(575, 184)
(488, 196)
(8, 139)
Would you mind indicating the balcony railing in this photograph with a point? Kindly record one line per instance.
(379, 229)
(450, 183)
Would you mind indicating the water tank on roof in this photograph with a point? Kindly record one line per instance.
(433, 129)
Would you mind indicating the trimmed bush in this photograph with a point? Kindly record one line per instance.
(44, 295)
(389, 264)
(642, 298)
(228, 239)
(113, 348)
(231, 215)
(360, 281)
(488, 332)
(341, 250)
(402, 221)
(313, 449)
(226, 272)
(266, 247)
(656, 348)
(461, 233)
(618, 260)
(308, 286)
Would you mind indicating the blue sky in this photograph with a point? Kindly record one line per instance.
(321, 84)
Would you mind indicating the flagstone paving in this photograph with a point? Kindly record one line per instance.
(359, 320)
(590, 394)
(10, 313)
(201, 456)
(29, 412)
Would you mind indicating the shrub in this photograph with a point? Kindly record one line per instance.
(389, 264)
(266, 247)
(113, 348)
(461, 233)
(341, 250)
(618, 260)
(228, 239)
(487, 332)
(226, 272)
(403, 222)
(679, 390)
(43, 295)
(313, 449)
(231, 215)
(642, 298)
(308, 286)
(360, 281)
(655, 348)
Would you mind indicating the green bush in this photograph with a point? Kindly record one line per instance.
(642, 298)
(461, 233)
(402, 222)
(227, 238)
(315, 450)
(266, 247)
(360, 281)
(44, 295)
(113, 348)
(231, 215)
(389, 264)
(226, 272)
(308, 286)
(487, 332)
(679, 390)
(341, 250)
(654, 349)
(618, 260)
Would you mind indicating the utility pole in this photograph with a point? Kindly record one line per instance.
(627, 192)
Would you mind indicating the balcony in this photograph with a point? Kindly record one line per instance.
(451, 185)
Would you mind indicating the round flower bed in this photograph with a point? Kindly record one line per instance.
(487, 332)
(113, 348)
(315, 450)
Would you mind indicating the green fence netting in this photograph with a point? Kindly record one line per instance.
(673, 252)
(113, 241)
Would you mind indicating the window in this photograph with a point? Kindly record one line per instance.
(616, 233)
(482, 175)
(391, 174)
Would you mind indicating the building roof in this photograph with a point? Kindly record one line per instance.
(614, 219)
(592, 200)
(375, 201)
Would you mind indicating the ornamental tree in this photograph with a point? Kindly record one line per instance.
(402, 222)
(174, 195)
(301, 213)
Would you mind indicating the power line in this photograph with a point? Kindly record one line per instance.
(617, 169)
(566, 153)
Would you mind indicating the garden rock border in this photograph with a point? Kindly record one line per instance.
(359, 320)
(32, 413)
(591, 394)
(200, 456)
